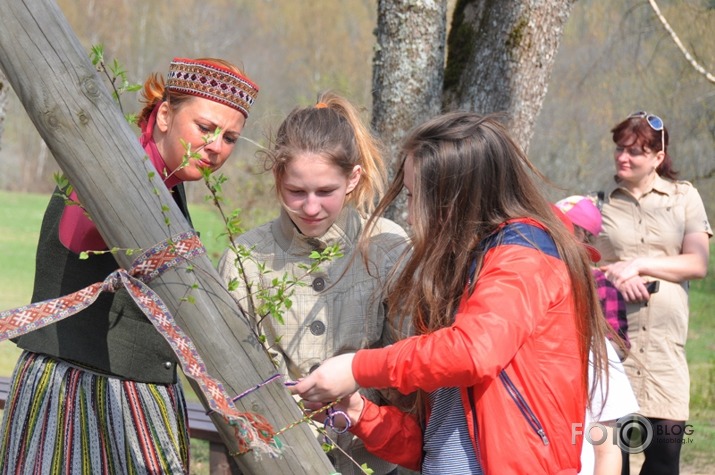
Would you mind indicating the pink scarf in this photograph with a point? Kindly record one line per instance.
(77, 232)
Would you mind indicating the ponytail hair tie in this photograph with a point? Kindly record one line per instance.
(321, 105)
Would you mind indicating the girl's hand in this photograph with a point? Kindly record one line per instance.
(350, 406)
(333, 379)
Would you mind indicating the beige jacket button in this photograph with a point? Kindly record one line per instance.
(318, 284)
(317, 328)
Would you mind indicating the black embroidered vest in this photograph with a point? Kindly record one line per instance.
(112, 336)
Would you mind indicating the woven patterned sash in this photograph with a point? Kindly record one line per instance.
(252, 431)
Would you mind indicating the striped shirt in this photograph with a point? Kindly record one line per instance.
(447, 445)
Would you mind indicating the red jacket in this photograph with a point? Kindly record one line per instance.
(520, 319)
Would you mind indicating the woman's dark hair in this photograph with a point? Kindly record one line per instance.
(637, 131)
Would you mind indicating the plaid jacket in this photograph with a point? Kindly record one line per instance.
(613, 305)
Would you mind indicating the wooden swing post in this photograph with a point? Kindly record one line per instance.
(97, 150)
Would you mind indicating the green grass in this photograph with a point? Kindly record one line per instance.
(21, 215)
(20, 218)
(701, 361)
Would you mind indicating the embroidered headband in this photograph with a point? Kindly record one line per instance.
(212, 81)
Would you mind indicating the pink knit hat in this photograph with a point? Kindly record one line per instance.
(582, 211)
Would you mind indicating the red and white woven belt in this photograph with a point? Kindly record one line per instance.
(252, 431)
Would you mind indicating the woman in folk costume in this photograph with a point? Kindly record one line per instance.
(98, 392)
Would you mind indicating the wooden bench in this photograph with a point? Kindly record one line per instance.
(200, 427)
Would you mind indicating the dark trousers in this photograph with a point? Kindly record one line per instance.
(662, 455)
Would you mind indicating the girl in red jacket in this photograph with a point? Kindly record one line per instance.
(502, 304)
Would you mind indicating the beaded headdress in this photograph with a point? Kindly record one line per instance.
(211, 81)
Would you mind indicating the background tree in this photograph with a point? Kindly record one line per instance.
(4, 86)
(614, 57)
(500, 58)
(408, 71)
(617, 58)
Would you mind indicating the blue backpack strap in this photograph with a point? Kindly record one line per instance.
(522, 234)
(518, 234)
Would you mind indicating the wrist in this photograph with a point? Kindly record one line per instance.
(639, 266)
(356, 409)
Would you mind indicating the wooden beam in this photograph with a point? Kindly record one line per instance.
(95, 147)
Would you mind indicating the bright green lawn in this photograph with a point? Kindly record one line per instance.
(20, 218)
(701, 360)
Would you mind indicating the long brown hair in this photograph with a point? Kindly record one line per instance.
(470, 178)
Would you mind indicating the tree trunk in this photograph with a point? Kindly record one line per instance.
(408, 68)
(4, 85)
(500, 58)
(87, 134)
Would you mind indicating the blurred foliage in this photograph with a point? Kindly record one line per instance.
(292, 50)
(615, 57)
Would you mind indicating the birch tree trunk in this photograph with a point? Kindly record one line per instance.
(501, 55)
(408, 69)
(84, 129)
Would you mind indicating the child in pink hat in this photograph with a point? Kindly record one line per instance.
(587, 221)
(584, 214)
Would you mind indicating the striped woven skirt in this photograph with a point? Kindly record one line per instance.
(61, 419)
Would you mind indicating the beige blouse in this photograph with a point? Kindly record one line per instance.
(338, 309)
(655, 225)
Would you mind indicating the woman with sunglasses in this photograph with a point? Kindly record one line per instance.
(654, 229)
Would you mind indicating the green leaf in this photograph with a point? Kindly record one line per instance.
(96, 54)
(367, 469)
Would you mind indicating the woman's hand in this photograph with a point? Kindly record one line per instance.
(634, 290)
(333, 379)
(625, 276)
(620, 272)
(690, 264)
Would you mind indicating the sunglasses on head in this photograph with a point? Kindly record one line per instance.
(655, 123)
